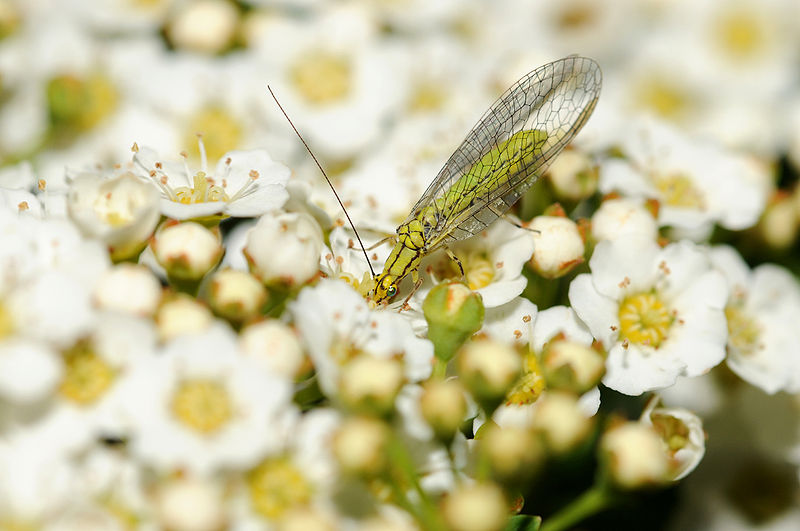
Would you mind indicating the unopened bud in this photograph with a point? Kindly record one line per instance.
(187, 251)
(561, 422)
(190, 505)
(779, 223)
(443, 407)
(206, 26)
(634, 456)
(573, 175)
(360, 446)
(623, 217)
(128, 288)
(182, 314)
(453, 313)
(274, 345)
(370, 385)
(283, 248)
(488, 370)
(515, 453)
(558, 246)
(236, 295)
(475, 507)
(571, 366)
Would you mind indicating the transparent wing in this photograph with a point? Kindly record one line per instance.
(556, 98)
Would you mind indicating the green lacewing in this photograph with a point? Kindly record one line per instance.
(505, 154)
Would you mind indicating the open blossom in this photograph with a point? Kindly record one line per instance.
(697, 184)
(337, 326)
(763, 312)
(658, 312)
(244, 184)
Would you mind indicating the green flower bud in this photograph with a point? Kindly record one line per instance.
(453, 313)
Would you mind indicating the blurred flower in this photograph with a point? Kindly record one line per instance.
(634, 456)
(658, 312)
(762, 311)
(623, 218)
(696, 184)
(682, 434)
(201, 406)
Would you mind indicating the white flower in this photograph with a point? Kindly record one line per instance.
(697, 184)
(763, 312)
(337, 325)
(244, 184)
(128, 288)
(202, 406)
(335, 79)
(121, 211)
(558, 245)
(511, 322)
(188, 250)
(29, 370)
(658, 312)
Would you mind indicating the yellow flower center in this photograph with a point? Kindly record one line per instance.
(577, 15)
(426, 96)
(277, 486)
(9, 523)
(80, 104)
(644, 319)
(662, 96)
(741, 34)
(202, 405)
(530, 385)
(86, 376)
(679, 191)
(10, 19)
(478, 269)
(743, 331)
(221, 132)
(204, 190)
(6, 322)
(322, 77)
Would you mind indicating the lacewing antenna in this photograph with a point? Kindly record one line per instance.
(324, 175)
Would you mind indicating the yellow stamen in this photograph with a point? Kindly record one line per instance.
(743, 331)
(322, 77)
(644, 319)
(277, 486)
(679, 191)
(87, 376)
(202, 405)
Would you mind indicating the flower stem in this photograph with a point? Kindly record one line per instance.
(594, 500)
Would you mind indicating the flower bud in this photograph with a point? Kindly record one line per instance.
(304, 518)
(779, 223)
(453, 313)
(573, 175)
(443, 406)
(623, 217)
(236, 295)
(128, 288)
(360, 446)
(284, 248)
(558, 246)
(121, 212)
(571, 366)
(190, 504)
(206, 26)
(273, 345)
(475, 507)
(515, 453)
(370, 385)
(187, 251)
(561, 422)
(182, 314)
(634, 456)
(682, 434)
(488, 369)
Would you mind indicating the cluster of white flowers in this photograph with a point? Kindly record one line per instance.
(187, 339)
